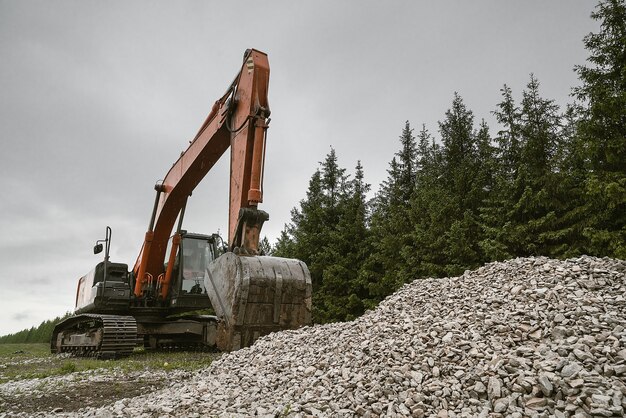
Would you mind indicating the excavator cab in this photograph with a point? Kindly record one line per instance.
(195, 252)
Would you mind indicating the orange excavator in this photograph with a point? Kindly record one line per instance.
(176, 275)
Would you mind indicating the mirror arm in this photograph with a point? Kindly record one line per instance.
(97, 249)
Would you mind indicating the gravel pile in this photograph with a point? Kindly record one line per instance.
(526, 337)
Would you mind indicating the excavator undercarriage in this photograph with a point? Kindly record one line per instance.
(96, 335)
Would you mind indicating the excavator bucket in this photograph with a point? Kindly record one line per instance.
(255, 295)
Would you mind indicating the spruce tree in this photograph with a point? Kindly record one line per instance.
(508, 116)
(429, 206)
(537, 209)
(385, 269)
(496, 211)
(342, 293)
(521, 216)
(570, 178)
(305, 235)
(602, 131)
(460, 181)
(407, 158)
(265, 248)
(329, 233)
(459, 151)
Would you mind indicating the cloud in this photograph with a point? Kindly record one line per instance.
(21, 316)
(38, 281)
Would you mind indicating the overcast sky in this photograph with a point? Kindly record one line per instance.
(97, 100)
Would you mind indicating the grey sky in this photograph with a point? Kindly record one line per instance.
(99, 98)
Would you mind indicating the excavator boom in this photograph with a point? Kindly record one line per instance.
(237, 120)
(252, 295)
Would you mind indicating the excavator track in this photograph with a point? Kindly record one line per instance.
(95, 335)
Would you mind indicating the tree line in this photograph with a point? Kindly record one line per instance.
(550, 181)
(39, 334)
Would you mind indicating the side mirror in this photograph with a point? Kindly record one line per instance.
(97, 249)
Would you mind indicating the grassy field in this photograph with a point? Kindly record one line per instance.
(9, 351)
(67, 389)
(28, 361)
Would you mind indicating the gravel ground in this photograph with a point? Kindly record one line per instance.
(93, 388)
(526, 337)
(34, 382)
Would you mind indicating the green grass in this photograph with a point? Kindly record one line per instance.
(23, 351)
(28, 361)
(67, 368)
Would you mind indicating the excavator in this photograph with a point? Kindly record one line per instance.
(178, 274)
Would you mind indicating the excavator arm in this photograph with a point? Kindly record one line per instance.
(239, 121)
(252, 295)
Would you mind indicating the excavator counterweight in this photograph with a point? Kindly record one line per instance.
(178, 273)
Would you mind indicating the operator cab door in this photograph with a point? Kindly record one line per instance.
(194, 254)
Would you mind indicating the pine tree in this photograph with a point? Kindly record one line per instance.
(342, 293)
(386, 268)
(520, 217)
(461, 167)
(538, 205)
(329, 233)
(602, 131)
(429, 206)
